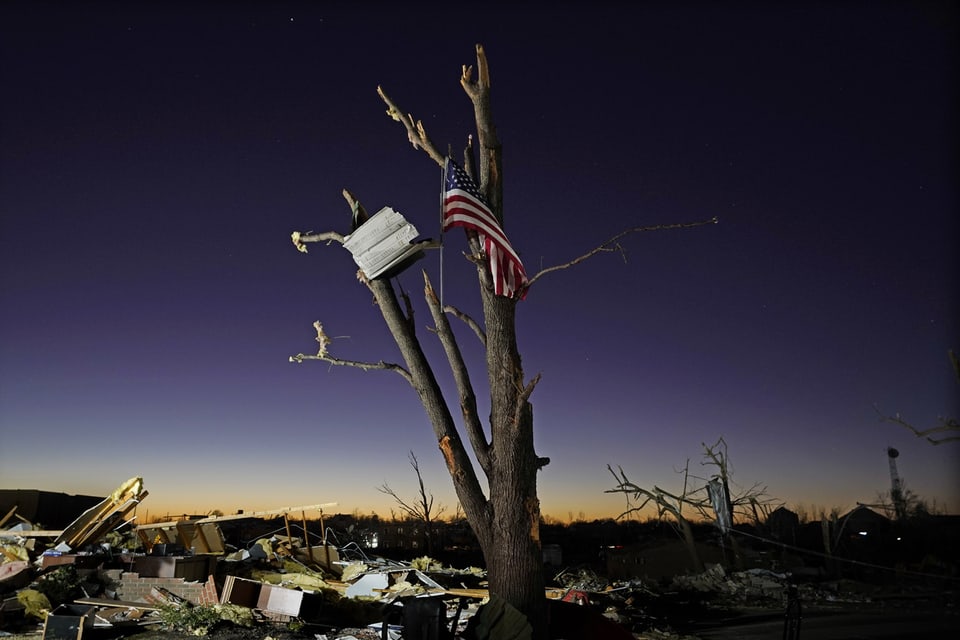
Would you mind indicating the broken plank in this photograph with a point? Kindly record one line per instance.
(551, 593)
(32, 533)
(107, 602)
(9, 515)
(240, 516)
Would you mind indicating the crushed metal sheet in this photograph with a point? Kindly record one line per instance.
(383, 244)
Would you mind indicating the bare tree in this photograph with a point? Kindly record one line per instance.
(712, 500)
(751, 503)
(507, 521)
(665, 502)
(420, 510)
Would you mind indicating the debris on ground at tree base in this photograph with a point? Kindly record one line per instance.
(104, 571)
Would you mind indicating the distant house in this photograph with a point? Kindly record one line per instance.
(863, 521)
(863, 534)
(783, 525)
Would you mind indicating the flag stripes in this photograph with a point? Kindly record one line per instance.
(463, 206)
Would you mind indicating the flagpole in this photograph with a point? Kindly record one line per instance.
(443, 184)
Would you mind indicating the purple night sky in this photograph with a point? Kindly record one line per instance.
(155, 158)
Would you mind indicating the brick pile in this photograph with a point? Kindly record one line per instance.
(133, 588)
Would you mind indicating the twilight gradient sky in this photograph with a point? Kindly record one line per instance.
(154, 159)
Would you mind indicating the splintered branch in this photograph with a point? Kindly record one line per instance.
(611, 244)
(416, 132)
(474, 89)
(322, 354)
(488, 145)
(359, 217)
(300, 239)
(467, 160)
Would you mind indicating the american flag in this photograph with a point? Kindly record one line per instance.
(463, 206)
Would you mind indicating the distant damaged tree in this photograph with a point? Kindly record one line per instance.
(506, 523)
(420, 510)
(947, 425)
(752, 504)
(711, 500)
(664, 502)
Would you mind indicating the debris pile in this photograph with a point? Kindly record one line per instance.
(105, 571)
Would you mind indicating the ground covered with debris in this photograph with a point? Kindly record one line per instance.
(180, 580)
(670, 610)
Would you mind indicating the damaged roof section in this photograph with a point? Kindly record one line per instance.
(106, 516)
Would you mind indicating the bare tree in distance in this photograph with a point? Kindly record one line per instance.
(664, 502)
(506, 522)
(421, 509)
(751, 503)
